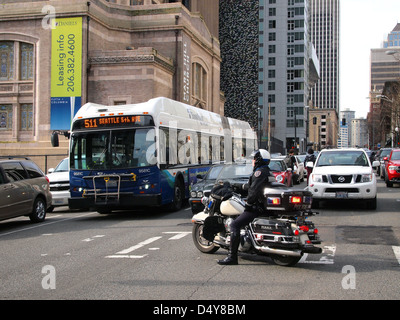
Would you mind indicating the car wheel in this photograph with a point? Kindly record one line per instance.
(388, 183)
(38, 213)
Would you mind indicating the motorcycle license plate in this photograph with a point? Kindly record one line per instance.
(342, 194)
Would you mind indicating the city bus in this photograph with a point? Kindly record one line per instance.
(148, 154)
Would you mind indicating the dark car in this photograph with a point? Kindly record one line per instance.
(24, 190)
(235, 173)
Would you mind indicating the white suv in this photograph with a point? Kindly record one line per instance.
(59, 184)
(343, 174)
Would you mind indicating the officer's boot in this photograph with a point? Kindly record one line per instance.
(232, 258)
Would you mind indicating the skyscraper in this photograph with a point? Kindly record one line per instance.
(288, 67)
(325, 24)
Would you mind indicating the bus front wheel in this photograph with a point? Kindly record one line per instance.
(179, 195)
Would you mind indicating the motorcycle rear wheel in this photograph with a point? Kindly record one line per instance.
(201, 243)
(285, 261)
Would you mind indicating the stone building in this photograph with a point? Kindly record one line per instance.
(322, 128)
(121, 51)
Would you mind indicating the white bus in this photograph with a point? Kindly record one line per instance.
(148, 154)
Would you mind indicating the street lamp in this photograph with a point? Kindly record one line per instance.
(393, 54)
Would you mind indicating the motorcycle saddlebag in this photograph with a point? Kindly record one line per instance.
(212, 226)
(267, 226)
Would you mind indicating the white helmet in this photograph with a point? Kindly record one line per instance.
(262, 157)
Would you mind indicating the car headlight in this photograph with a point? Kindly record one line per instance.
(392, 168)
(366, 178)
(199, 194)
(316, 177)
(279, 178)
(193, 194)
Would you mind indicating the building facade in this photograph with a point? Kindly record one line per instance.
(384, 68)
(345, 133)
(112, 52)
(325, 35)
(288, 68)
(323, 128)
(359, 133)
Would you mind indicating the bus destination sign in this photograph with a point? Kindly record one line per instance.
(120, 121)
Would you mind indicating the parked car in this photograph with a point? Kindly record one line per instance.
(59, 184)
(343, 174)
(392, 167)
(384, 152)
(282, 173)
(238, 173)
(24, 189)
(298, 174)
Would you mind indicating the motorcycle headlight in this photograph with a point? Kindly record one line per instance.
(204, 201)
(279, 178)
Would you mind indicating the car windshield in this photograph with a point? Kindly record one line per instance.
(62, 166)
(236, 172)
(213, 173)
(385, 153)
(301, 157)
(342, 158)
(395, 156)
(276, 166)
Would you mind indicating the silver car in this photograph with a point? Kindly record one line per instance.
(24, 190)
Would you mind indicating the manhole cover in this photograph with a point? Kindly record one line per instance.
(373, 235)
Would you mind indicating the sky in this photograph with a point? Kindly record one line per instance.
(364, 26)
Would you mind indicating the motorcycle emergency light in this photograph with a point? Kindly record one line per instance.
(275, 201)
(295, 199)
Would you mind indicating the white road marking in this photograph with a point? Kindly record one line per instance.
(124, 253)
(396, 251)
(126, 256)
(91, 239)
(179, 235)
(328, 254)
(45, 223)
(139, 245)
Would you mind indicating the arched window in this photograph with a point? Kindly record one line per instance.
(6, 60)
(199, 95)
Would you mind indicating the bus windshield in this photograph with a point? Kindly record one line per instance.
(112, 149)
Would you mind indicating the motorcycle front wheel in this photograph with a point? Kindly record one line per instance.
(201, 243)
(285, 261)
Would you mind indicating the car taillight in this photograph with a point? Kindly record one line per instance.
(47, 178)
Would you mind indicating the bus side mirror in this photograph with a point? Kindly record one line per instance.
(54, 139)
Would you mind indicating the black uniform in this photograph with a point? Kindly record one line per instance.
(257, 182)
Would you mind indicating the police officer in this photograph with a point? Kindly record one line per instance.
(258, 180)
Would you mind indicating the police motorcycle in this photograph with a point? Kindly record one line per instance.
(284, 232)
